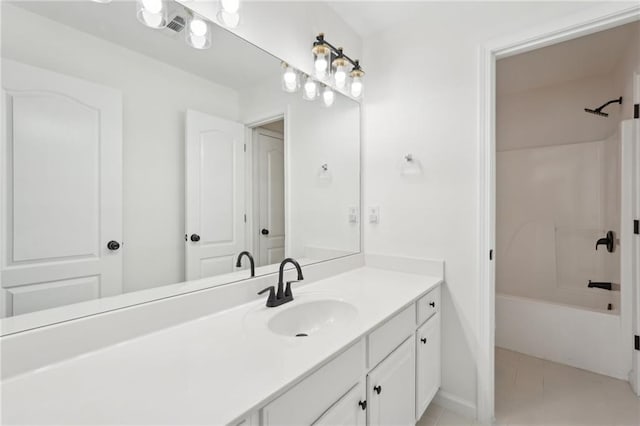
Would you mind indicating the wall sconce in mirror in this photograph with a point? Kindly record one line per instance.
(310, 89)
(198, 33)
(290, 79)
(152, 13)
(328, 96)
(228, 14)
(410, 166)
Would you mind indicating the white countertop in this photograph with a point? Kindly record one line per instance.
(211, 370)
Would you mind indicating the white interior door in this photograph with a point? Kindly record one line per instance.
(270, 146)
(61, 189)
(215, 220)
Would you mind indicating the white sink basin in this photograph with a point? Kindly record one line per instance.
(308, 318)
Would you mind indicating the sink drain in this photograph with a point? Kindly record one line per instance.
(302, 335)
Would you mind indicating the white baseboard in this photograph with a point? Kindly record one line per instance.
(457, 405)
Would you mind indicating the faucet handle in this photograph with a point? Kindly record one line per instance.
(272, 295)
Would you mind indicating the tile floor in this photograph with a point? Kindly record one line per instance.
(532, 391)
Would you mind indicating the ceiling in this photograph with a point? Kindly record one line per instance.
(593, 55)
(369, 17)
(230, 61)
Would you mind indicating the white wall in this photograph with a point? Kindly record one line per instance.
(421, 97)
(555, 114)
(624, 73)
(155, 96)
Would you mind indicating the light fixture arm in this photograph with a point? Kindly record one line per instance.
(336, 52)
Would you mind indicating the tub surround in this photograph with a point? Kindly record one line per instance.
(216, 368)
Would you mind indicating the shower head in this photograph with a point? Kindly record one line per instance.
(598, 111)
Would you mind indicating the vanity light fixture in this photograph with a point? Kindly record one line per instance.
(290, 78)
(328, 96)
(152, 13)
(309, 89)
(331, 60)
(228, 14)
(198, 33)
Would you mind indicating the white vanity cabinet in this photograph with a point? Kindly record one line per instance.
(391, 388)
(389, 377)
(427, 363)
(349, 410)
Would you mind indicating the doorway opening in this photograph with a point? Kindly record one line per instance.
(566, 183)
(267, 172)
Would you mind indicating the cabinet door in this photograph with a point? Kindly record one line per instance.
(427, 363)
(391, 388)
(349, 410)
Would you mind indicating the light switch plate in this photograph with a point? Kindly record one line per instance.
(353, 215)
(374, 214)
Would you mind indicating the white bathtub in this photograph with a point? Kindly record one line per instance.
(583, 338)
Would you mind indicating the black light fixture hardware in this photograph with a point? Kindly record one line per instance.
(329, 59)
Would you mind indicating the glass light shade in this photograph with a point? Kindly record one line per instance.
(356, 86)
(230, 6)
(340, 73)
(321, 60)
(152, 13)
(228, 19)
(310, 89)
(328, 96)
(290, 80)
(198, 33)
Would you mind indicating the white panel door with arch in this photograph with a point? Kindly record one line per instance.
(270, 149)
(215, 223)
(61, 189)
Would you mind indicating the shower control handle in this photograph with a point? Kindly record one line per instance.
(609, 241)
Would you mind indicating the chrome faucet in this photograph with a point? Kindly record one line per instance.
(253, 266)
(283, 294)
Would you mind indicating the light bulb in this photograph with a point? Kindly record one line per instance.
(228, 19)
(290, 80)
(356, 87)
(198, 27)
(310, 89)
(230, 6)
(340, 78)
(321, 66)
(153, 20)
(152, 13)
(328, 97)
(152, 6)
(198, 35)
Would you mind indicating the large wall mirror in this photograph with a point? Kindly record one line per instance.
(132, 161)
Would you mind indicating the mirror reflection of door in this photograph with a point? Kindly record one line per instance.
(62, 192)
(269, 168)
(214, 194)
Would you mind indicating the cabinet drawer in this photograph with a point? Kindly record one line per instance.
(306, 401)
(384, 339)
(428, 305)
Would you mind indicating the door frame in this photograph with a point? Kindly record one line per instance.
(597, 18)
(252, 224)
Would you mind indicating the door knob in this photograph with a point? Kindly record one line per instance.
(195, 238)
(264, 232)
(432, 304)
(378, 389)
(113, 245)
(424, 340)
